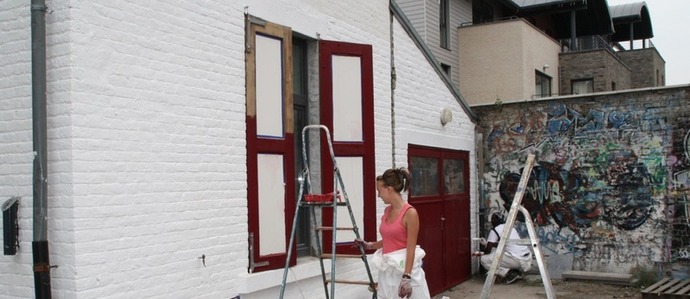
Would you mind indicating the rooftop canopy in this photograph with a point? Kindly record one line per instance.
(591, 16)
(633, 14)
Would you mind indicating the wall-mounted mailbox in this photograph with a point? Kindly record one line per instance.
(10, 225)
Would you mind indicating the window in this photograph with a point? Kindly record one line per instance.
(278, 81)
(542, 85)
(300, 83)
(613, 85)
(444, 23)
(582, 86)
(446, 69)
(484, 12)
(424, 177)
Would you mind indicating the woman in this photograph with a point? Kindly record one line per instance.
(398, 257)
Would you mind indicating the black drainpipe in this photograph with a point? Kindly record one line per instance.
(40, 178)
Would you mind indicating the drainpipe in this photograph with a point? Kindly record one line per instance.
(40, 180)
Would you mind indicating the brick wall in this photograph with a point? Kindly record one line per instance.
(146, 140)
(610, 183)
(16, 272)
(599, 65)
(648, 66)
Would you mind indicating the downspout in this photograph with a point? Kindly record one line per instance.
(40, 180)
(393, 85)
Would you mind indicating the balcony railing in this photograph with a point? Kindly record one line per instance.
(596, 42)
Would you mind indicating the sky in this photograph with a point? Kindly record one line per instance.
(670, 24)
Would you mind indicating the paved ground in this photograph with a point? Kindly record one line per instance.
(532, 288)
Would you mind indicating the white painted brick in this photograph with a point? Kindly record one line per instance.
(146, 138)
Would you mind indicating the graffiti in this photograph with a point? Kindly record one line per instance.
(599, 185)
(620, 193)
(679, 210)
(558, 242)
(610, 252)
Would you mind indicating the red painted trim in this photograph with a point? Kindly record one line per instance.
(364, 149)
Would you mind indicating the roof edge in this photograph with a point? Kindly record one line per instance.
(407, 25)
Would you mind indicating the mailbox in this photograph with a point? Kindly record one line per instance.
(10, 225)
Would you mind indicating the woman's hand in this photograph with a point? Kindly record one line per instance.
(405, 288)
(364, 244)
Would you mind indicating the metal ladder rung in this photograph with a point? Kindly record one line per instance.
(346, 256)
(520, 241)
(331, 228)
(366, 283)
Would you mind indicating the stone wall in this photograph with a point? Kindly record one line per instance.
(611, 179)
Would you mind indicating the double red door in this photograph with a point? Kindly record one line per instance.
(440, 193)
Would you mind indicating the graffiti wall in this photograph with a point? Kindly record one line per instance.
(611, 179)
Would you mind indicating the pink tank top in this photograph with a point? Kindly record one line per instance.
(394, 234)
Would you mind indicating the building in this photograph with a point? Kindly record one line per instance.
(168, 155)
(581, 85)
(505, 51)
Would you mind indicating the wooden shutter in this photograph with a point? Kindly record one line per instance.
(347, 109)
(270, 144)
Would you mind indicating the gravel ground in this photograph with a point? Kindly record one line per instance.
(531, 288)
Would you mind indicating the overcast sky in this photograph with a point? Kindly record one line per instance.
(670, 24)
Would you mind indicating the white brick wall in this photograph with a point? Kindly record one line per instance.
(16, 272)
(146, 139)
(420, 95)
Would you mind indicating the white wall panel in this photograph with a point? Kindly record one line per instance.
(271, 204)
(347, 98)
(269, 87)
(351, 169)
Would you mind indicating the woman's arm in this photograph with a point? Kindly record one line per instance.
(411, 222)
(376, 245)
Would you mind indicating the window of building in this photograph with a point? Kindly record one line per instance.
(582, 86)
(277, 108)
(542, 85)
(444, 23)
(483, 12)
(300, 89)
(613, 86)
(446, 69)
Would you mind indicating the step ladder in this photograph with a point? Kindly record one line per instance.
(338, 198)
(505, 235)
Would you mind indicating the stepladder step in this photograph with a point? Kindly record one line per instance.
(322, 198)
(366, 283)
(346, 256)
(332, 228)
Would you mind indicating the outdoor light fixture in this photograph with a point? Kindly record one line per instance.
(446, 116)
(10, 228)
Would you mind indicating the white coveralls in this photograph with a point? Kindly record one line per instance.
(391, 267)
(516, 257)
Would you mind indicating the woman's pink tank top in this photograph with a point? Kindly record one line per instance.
(394, 234)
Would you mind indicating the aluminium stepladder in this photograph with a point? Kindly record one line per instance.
(338, 198)
(533, 240)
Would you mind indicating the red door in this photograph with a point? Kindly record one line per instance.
(440, 193)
